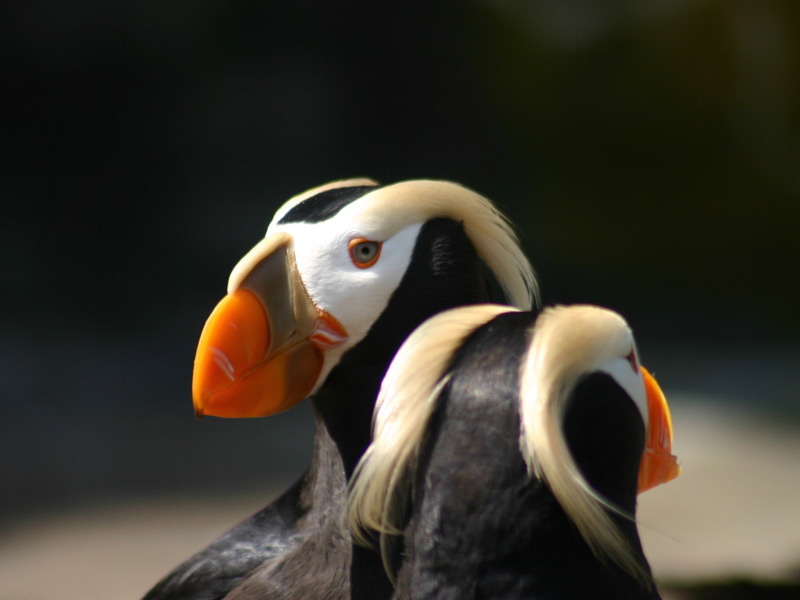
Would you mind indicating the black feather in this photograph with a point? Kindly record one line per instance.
(325, 205)
(479, 525)
(295, 547)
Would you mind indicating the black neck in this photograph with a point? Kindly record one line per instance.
(444, 272)
(325, 478)
(605, 435)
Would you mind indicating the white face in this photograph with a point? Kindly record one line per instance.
(354, 295)
(628, 374)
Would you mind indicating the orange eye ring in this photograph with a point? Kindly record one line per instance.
(364, 253)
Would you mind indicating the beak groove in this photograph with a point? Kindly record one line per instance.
(262, 348)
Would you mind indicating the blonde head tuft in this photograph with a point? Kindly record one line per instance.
(407, 400)
(567, 342)
(388, 209)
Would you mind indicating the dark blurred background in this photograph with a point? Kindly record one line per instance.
(649, 153)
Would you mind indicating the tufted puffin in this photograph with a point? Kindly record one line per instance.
(318, 309)
(507, 455)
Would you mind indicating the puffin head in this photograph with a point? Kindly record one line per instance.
(313, 288)
(569, 345)
(581, 362)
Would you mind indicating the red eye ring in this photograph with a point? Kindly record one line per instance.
(364, 253)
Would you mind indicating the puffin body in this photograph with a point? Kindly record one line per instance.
(318, 309)
(511, 468)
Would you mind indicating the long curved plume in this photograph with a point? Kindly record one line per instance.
(407, 399)
(389, 208)
(567, 342)
(488, 229)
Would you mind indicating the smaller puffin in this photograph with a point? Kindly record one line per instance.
(508, 451)
(317, 309)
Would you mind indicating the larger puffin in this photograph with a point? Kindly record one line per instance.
(507, 456)
(318, 309)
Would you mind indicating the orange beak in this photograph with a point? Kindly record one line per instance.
(658, 464)
(262, 349)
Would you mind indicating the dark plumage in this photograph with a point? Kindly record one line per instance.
(471, 522)
(296, 547)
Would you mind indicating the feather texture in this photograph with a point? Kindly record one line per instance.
(407, 400)
(568, 342)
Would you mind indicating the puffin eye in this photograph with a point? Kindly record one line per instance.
(364, 253)
(631, 358)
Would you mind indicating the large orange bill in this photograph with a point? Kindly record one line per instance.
(658, 464)
(233, 375)
(262, 349)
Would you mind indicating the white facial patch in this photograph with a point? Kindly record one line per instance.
(355, 296)
(632, 382)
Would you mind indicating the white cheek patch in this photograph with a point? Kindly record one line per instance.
(356, 297)
(630, 381)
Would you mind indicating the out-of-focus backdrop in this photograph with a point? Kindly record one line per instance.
(648, 152)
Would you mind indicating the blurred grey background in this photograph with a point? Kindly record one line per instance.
(648, 152)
